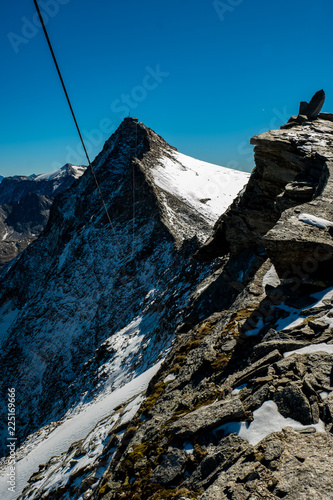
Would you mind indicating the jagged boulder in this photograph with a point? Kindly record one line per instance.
(307, 111)
(287, 173)
(300, 245)
(171, 468)
(208, 417)
(313, 108)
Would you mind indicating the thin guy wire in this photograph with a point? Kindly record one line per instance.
(74, 118)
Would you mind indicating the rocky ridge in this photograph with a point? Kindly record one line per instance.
(241, 408)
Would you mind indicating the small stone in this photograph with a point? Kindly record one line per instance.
(273, 450)
(308, 430)
(312, 109)
(293, 403)
(303, 108)
(171, 467)
(318, 324)
(229, 345)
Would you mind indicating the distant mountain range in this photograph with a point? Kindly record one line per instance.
(25, 204)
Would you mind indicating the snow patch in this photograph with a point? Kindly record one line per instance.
(238, 389)
(326, 294)
(271, 278)
(290, 321)
(309, 349)
(266, 420)
(131, 410)
(169, 378)
(77, 171)
(312, 220)
(256, 330)
(188, 448)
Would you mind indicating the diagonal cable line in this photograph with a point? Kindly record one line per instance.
(75, 120)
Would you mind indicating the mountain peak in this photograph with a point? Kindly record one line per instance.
(134, 139)
(98, 287)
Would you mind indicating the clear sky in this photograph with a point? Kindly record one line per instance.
(206, 75)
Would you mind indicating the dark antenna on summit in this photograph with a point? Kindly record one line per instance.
(74, 117)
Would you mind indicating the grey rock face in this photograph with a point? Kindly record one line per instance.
(292, 403)
(171, 468)
(287, 471)
(313, 108)
(300, 244)
(208, 417)
(284, 176)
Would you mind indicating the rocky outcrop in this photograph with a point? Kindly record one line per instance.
(301, 243)
(307, 111)
(284, 209)
(229, 379)
(285, 465)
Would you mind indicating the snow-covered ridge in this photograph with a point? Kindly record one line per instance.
(74, 170)
(207, 188)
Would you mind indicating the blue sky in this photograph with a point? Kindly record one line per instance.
(206, 75)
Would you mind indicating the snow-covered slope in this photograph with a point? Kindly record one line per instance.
(93, 425)
(209, 189)
(100, 304)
